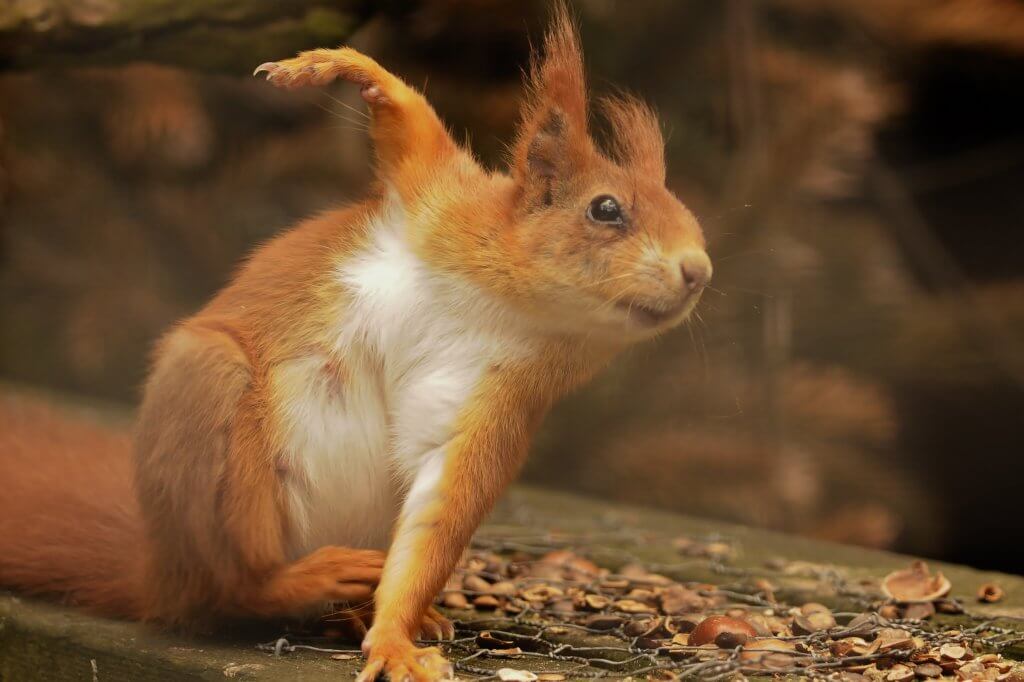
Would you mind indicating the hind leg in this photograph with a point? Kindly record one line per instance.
(211, 493)
(330, 574)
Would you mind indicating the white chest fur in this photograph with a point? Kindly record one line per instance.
(412, 347)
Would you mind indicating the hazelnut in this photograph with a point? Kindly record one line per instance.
(990, 592)
(712, 629)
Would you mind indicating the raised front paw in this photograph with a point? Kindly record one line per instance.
(319, 67)
(400, 659)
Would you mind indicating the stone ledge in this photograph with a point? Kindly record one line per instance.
(41, 641)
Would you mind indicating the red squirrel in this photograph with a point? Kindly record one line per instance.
(337, 421)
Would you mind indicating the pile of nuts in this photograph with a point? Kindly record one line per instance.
(684, 624)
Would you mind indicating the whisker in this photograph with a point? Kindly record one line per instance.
(606, 279)
(360, 125)
(347, 106)
(614, 300)
(350, 612)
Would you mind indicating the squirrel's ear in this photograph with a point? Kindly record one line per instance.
(553, 139)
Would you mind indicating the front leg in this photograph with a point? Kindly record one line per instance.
(410, 140)
(456, 486)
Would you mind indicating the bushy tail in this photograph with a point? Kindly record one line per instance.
(69, 522)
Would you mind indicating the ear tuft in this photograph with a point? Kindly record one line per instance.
(553, 131)
(559, 78)
(636, 141)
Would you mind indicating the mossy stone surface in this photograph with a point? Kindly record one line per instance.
(43, 641)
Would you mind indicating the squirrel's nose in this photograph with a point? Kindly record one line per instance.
(695, 267)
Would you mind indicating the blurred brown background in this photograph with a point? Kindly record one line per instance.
(857, 372)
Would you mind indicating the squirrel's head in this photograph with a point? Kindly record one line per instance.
(608, 246)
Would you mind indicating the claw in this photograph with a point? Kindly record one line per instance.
(436, 626)
(266, 67)
(371, 671)
(402, 660)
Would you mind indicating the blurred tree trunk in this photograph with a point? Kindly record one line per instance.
(213, 35)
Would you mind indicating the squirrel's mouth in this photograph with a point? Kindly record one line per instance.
(649, 316)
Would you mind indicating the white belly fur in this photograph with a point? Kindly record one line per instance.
(414, 346)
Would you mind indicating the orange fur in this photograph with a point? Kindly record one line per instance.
(206, 457)
(209, 473)
(69, 523)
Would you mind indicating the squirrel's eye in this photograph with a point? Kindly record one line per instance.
(604, 209)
